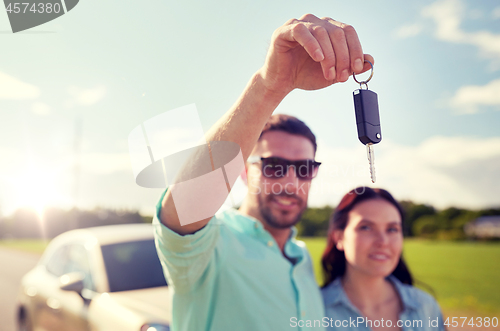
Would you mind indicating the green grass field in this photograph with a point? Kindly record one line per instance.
(465, 276)
(27, 245)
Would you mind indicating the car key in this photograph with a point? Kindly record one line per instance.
(367, 120)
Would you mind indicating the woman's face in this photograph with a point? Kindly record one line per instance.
(372, 240)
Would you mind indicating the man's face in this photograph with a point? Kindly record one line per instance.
(280, 201)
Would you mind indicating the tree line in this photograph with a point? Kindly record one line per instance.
(421, 220)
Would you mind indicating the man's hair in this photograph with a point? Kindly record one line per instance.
(289, 124)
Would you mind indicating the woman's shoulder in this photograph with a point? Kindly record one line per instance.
(332, 290)
(337, 305)
(334, 296)
(415, 298)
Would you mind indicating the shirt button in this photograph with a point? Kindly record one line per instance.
(256, 225)
(270, 243)
(303, 313)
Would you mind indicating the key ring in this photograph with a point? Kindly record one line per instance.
(365, 81)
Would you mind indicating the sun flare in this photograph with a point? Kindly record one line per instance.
(36, 188)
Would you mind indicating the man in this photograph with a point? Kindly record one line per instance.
(243, 270)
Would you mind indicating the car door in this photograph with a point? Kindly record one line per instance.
(74, 306)
(60, 310)
(47, 304)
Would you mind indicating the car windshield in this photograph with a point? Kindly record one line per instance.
(132, 265)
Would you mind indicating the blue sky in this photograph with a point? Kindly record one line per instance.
(112, 65)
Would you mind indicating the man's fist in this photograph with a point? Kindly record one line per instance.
(312, 53)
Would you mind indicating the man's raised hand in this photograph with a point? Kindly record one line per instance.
(312, 53)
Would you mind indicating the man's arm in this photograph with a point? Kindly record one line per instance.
(309, 53)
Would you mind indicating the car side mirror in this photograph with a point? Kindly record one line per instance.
(72, 281)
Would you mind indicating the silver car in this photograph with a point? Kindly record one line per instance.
(97, 279)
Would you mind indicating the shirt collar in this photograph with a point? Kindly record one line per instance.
(405, 293)
(243, 223)
(251, 225)
(294, 248)
(334, 294)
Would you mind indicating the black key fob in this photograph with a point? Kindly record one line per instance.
(367, 117)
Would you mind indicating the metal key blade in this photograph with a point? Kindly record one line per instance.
(371, 159)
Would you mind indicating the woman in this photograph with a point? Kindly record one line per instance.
(367, 284)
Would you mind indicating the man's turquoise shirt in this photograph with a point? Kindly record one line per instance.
(232, 276)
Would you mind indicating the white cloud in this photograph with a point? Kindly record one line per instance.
(486, 41)
(442, 171)
(453, 151)
(496, 13)
(468, 98)
(40, 108)
(12, 88)
(409, 30)
(448, 16)
(86, 97)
